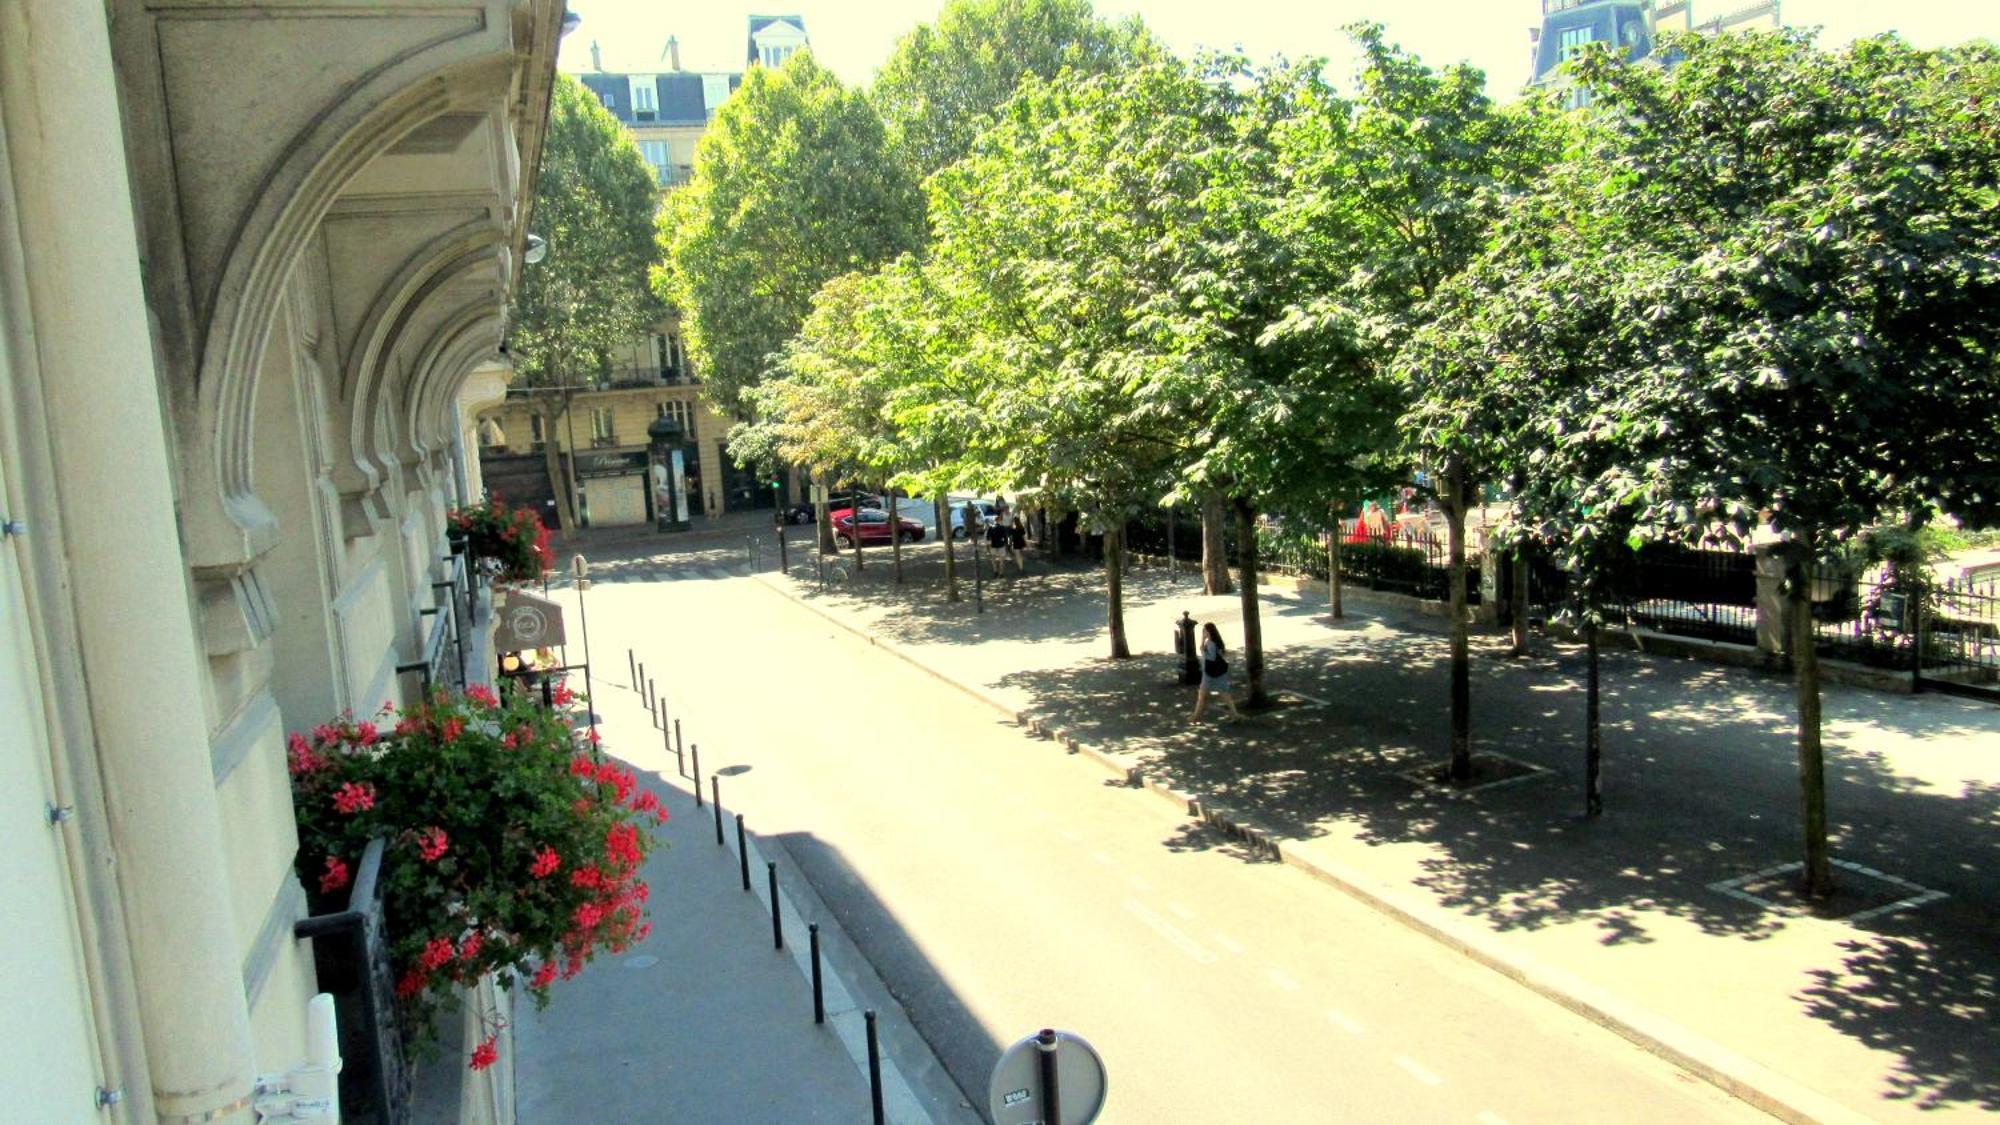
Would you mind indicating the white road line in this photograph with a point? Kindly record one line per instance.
(1282, 979)
(1488, 1117)
(1167, 930)
(1343, 1021)
(1225, 941)
(1418, 1072)
(1139, 882)
(1181, 912)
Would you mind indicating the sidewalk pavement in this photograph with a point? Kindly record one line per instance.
(705, 1020)
(1667, 919)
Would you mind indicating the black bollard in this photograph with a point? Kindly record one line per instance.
(819, 994)
(715, 797)
(742, 853)
(639, 685)
(697, 775)
(777, 925)
(680, 759)
(1045, 1044)
(875, 1068)
(632, 669)
(652, 694)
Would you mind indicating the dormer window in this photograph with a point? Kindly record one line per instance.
(645, 96)
(1573, 41)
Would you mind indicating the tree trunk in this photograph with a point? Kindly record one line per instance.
(1333, 590)
(1520, 599)
(560, 482)
(823, 523)
(1593, 740)
(1114, 591)
(1173, 566)
(895, 534)
(1214, 551)
(1461, 655)
(950, 555)
(1253, 624)
(1812, 763)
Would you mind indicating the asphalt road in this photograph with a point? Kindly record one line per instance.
(999, 886)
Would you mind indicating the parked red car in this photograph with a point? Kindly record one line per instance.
(874, 527)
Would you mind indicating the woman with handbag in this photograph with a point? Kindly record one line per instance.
(1214, 673)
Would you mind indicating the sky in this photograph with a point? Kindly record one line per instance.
(854, 37)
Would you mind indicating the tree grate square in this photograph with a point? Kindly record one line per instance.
(1859, 893)
(1489, 770)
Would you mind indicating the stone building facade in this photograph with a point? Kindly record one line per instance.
(254, 267)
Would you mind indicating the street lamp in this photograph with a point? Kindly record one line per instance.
(536, 249)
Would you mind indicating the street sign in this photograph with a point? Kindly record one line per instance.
(1017, 1093)
(527, 622)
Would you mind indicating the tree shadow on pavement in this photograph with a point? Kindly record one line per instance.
(1700, 787)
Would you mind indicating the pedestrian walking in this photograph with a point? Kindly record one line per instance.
(1214, 673)
(996, 545)
(1017, 544)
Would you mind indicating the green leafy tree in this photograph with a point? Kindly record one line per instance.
(595, 199)
(793, 186)
(1400, 190)
(1286, 404)
(1041, 233)
(945, 80)
(1810, 329)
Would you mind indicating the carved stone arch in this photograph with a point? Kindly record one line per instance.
(455, 61)
(469, 338)
(384, 342)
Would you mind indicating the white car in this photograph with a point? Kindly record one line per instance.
(987, 512)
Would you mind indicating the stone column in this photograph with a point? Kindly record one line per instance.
(142, 661)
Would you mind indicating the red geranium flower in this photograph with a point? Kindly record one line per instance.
(432, 843)
(486, 1054)
(437, 953)
(353, 797)
(335, 876)
(546, 863)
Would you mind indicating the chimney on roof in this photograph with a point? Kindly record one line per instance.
(596, 60)
(673, 54)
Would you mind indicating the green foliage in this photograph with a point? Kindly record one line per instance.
(512, 846)
(944, 81)
(1807, 287)
(793, 186)
(595, 199)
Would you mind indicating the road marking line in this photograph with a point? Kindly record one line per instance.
(1282, 979)
(1225, 942)
(1418, 1072)
(1488, 1117)
(1139, 882)
(1343, 1021)
(1181, 912)
(1167, 930)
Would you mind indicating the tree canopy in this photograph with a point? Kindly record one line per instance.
(793, 186)
(595, 199)
(945, 80)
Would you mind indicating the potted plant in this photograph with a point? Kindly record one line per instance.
(506, 544)
(514, 846)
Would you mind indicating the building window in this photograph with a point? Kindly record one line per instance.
(776, 56)
(655, 153)
(680, 411)
(1574, 40)
(645, 96)
(602, 432)
(537, 438)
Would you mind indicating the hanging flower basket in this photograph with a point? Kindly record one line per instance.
(514, 847)
(506, 544)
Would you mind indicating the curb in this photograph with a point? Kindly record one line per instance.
(1727, 1070)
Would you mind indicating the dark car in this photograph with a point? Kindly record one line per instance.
(874, 527)
(803, 513)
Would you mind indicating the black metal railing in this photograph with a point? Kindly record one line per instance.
(351, 954)
(1711, 594)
